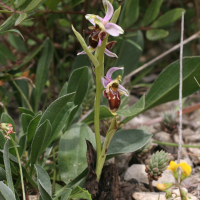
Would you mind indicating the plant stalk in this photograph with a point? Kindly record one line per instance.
(108, 138)
(98, 71)
(176, 145)
(20, 169)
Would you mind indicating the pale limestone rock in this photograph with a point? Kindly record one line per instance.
(137, 171)
(156, 196)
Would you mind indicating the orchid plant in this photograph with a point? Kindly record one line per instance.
(98, 42)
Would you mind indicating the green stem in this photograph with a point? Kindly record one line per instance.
(108, 138)
(23, 96)
(98, 71)
(20, 169)
(176, 145)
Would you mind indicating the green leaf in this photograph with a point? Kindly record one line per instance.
(125, 141)
(52, 4)
(55, 112)
(12, 31)
(20, 18)
(44, 180)
(33, 5)
(7, 53)
(79, 192)
(29, 57)
(40, 140)
(25, 120)
(156, 34)
(2, 139)
(8, 23)
(104, 113)
(26, 111)
(32, 127)
(2, 174)
(63, 90)
(78, 82)
(168, 18)
(134, 109)
(131, 12)
(152, 12)
(72, 151)
(45, 195)
(129, 52)
(23, 145)
(7, 166)
(166, 86)
(85, 47)
(17, 43)
(116, 15)
(42, 72)
(66, 194)
(5, 192)
(5, 118)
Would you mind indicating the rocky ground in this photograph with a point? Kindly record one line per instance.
(131, 168)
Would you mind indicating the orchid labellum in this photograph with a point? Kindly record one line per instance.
(113, 90)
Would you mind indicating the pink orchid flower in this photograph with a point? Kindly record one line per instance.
(104, 24)
(113, 90)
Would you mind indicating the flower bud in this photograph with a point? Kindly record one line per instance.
(164, 186)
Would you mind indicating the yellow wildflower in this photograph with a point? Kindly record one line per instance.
(173, 166)
(186, 170)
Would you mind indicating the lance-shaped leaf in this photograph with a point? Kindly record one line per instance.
(55, 112)
(32, 127)
(33, 5)
(78, 82)
(40, 141)
(8, 23)
(26, 111)
(156, 34)
(12, 31)
(152, 12)
(116, 15)
(5, 192)
(20, 18)
(85, 47)
(168, 18)
(44, 183)
(131, 12)
(43, 70)
(25, 120)
(7, 166)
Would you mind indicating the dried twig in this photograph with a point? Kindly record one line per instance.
(128, 77)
